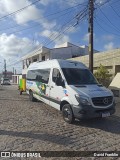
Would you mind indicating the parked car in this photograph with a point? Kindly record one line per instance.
(69, 86)
(5, 81)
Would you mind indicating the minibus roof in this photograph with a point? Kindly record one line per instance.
(56, 63)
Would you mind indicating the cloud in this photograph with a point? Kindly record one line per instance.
(100, 1)
(45, 2)
(26, 15)
(109, 46)
(9, 6)
(71, 29)
(12, 46)
(71, 2)
(52, 35)
(62, 3)
(86, 37)
(29, 14)
(108, 37)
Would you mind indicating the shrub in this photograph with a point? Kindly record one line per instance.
(102, 75)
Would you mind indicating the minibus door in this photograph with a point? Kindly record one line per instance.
(56, 90)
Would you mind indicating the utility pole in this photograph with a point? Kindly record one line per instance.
(5, 71)
(13, 70)
(90, 30)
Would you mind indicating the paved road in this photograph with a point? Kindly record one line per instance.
(25, 125)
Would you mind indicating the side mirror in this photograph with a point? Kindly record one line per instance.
(60, 82)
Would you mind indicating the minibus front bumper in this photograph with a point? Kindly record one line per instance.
(88, 111)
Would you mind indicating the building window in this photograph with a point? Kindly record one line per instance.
(73, 56)
(34, 60)
(43, 58)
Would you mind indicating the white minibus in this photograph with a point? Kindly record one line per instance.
(70, 87)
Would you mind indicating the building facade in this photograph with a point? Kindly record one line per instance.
(7, 74)
(64, 51)
(16, 78)
(109, 59)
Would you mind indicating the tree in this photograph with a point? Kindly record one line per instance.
(102, 75)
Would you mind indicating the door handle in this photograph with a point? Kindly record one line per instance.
(52, 87)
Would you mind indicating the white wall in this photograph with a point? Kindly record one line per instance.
(24, 71)
(61, 53)
(16, 79)
(77, 51)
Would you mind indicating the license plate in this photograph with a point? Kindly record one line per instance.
(105, 114)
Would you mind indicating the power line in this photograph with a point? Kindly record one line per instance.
(116, 28)
(50, 35)
(61, 32)
(115, 2)
(29, 51)
(57, 29)
(19, 10)
(57, 36)
(40, 18)
(104, 28)
(106, 24)
(80, 4)
(114, 10)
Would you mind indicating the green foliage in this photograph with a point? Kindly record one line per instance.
(102, 75)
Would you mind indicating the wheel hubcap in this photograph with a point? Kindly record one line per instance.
(66, 113)
(30, 95)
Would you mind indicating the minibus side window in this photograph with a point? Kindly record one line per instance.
(31, 75)
(56, 75)
(39, 75)
(43, 75)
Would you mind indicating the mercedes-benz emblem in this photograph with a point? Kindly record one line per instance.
(105, 100)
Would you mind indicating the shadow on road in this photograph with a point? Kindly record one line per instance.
(110, 124)
(10, 99)
(58, 139)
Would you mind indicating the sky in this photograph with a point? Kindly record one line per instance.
(28, 24)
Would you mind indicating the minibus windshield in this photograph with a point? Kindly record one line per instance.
(78, 76)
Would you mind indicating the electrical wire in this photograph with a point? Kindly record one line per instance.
(51, 40)
(19, 10)
(114, 10)
(58, 17)
(54, 36)
(100, 26)
(38, 19)
(116, 28)
(63, 31)
(50, 35)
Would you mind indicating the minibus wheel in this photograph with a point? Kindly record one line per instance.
(31, 96)
(20, 92)
(67, 113)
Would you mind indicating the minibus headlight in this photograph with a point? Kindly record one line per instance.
(83, 100)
